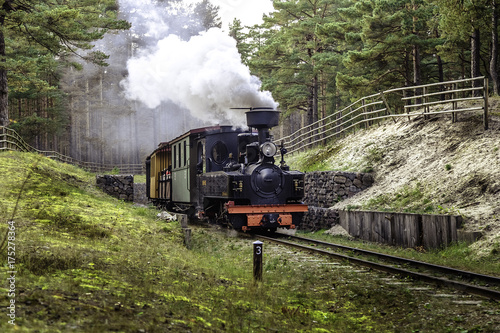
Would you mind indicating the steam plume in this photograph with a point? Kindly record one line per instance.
(203, 75)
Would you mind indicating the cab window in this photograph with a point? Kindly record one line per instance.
(219, 152)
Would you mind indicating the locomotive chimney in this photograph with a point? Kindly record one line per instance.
(262, 119)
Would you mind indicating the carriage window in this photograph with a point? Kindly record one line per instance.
(219, 152)
(175, 157)
(179, 156)
(185, 153)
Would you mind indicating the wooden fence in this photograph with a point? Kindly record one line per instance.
(403, 229)
(11, 140)
(451, 97)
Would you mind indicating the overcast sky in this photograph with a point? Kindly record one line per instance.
(248, 11)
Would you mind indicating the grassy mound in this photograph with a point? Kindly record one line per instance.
(82, 261)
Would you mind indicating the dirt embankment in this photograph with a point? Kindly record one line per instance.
(449, 168)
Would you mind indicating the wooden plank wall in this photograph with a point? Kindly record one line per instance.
(400, 229)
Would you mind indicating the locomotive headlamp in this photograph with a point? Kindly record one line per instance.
(268, 149)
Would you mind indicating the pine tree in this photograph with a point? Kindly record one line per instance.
(35, 102)
(468, 22)
(244, 47)
(395, 44)
(59, 28)
(208, 15)
(295, 60)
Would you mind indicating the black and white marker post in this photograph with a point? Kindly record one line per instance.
(257, 260)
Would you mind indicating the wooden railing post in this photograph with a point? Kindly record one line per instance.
(425, 99)
(12, 145)
(485, 101)
(388, 108)
(454, 104)
(408, 101)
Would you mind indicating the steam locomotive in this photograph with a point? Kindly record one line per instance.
(228, 175)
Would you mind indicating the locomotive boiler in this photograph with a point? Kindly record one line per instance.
(228, 175)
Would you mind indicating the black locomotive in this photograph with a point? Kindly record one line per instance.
(228, 175)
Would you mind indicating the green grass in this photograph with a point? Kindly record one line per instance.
(412, 198)
(315, 159)
(139, 178)
(409, 199)
(86, 262)
(326, 158)
(372, 157)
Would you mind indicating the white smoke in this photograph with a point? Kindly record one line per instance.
(203, 75)
(147, 18)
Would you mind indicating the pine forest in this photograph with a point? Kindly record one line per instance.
(64, 64)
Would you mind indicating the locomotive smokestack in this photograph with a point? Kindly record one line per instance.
(262, 119)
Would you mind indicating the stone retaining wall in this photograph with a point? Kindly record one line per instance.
(317, 218)
(324, 189)
(118, 186)
(140, 193)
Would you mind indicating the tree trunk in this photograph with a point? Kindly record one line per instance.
(439, 63)
(407, 68)
(440, 74)
(494, 48)
(463, 63)
(440, 68)
(417, 76)
(310, 107)
(407, 77)
(475, 47)
(315, 108)
(4, 88)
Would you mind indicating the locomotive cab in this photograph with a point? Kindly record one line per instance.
(248, 151)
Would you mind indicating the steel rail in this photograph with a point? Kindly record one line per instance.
(468, 288)
(443, 269)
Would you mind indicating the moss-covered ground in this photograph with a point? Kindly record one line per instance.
(76, 260)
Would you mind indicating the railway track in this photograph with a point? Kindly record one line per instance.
(429, 273)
